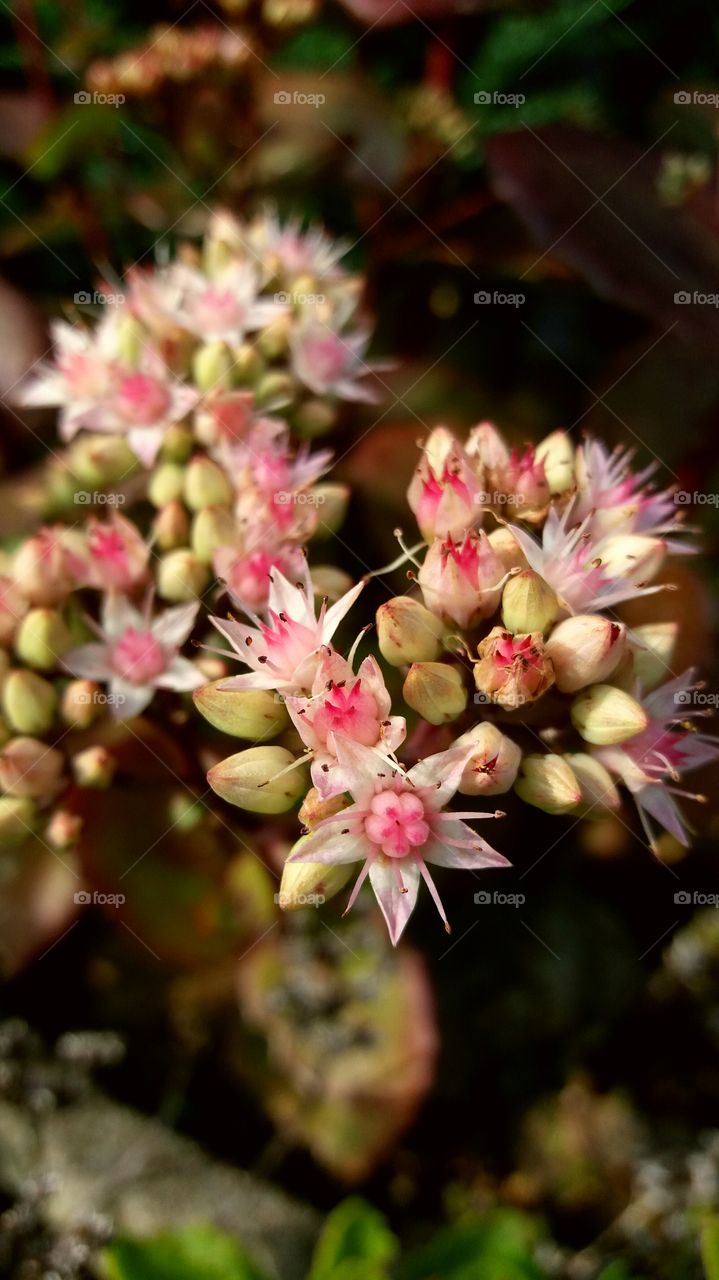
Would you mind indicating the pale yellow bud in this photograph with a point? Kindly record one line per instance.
(212, 527)
(166, 484)
(330, 501)
(633, 555)
(206, 484)
(181, 576)
(18, 819)
(255, 779)
(585, 649)
(81, 703)
(599, 792)
(63, 830)
(653, 647)
(309, 884)
(42, 638)
(606, 716)
(436, 691)
(313, 809)
(171, 526)
(492, 767)
(548, 783)
(213, 366)
(407, 632)
(94, 767)
(244, 713)
(29, 702)
(30, 768)
(556, 451)
(314, 418)
(101, 460)
(507, 549)
(528, 603)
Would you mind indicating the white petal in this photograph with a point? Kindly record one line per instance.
(396, 906)
(443, 854)
(181, 675)
(337, 611)
(172, 627)
(90, 661)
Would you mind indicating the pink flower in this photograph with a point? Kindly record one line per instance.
(142, 405)
(227, 307)
(445, 501)
(84, 371)
(246, 573)
(330, 363)
(285, 652)
(651, 763)
(523, 480)
(342, 703)
(616, 500)
(117, 555)
(462, 581)
(397, 825)
(295, 251)
(137, 654)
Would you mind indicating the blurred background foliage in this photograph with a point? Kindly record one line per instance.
(539, 1097)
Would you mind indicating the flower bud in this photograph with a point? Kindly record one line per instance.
(177, 444)
(243, 713)
(181, 576)
(63, 830)
(314, 418)
(606, 716)
(310, 883)
(101, 460)
(81, 703)
(634, 556)
(255, 779)
(407, 632)
(461, 582)
(166, 484)
(94, 767)
(212, 527)
(528, 603)
(274, 338)
(548, 783)
(436, 691)
(29, 702)
(274, 390)
(600, 796)
(487, 445)
(13, 606)
(652, 645)
(171, 526)
(43, 566)
(556, 451)
(18, 819)
(42, 639)
(313, 809)
(248, 363)
(445, 502)
(507, 549)
(330, 502)
(330, 581)
(585, 650)
(129, 338)
(206, 484)
(512, 670)
(213, 366)
(493, 764)
(30, 768)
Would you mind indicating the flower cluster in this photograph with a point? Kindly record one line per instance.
(510, 636)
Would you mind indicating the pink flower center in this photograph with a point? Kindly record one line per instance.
(88, 376)
(350, 711)
(137, 657)
(396, 823)
(142, 399)
(327, 357)
(217, 310)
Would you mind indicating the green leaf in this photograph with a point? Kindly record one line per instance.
(196, 1253)
(356, 1244)
(496, 1247)
(710, 1248)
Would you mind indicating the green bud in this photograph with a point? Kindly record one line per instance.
(93, 767)
(652, 645)
(181, 576)
(166, 484)
(212, 527)
(548, 783)
(212, 366)
(18, 818)
(251, 779)
(171, 526)
(330, 502)
(206, 484)
(407, 632)
(436, 691)
(314, 418)
(528, 603)
(177, 444)
(273, 341)
(309, 884)
(129, 336)
(101, 460)
(29, 703)
(249, 364)
(605, 715)
(81, 703)
(274, 390)
(243, 713)
(42, 639)
(600, 796)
